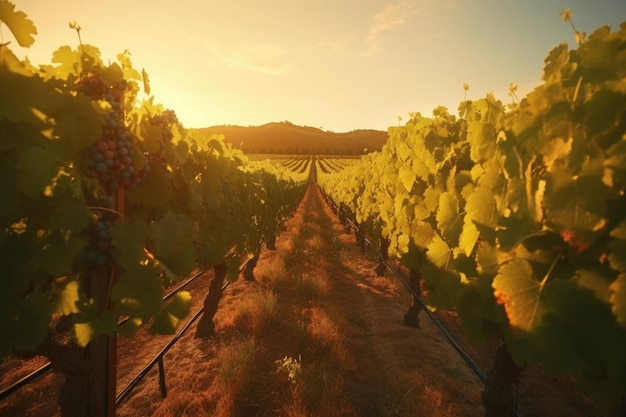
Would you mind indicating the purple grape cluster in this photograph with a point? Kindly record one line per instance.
(98, 235)
(112, 157)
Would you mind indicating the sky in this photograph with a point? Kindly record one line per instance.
(338, 65)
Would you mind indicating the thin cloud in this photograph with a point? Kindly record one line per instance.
(391, 17)
(259, 57)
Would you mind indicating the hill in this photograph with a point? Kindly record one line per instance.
(287, 138)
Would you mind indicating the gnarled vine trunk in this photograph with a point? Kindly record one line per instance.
(384, 257)
(206, 327)
(271, 242)
(411, 317)
(360, 237)
(248, 270)
(498, 398)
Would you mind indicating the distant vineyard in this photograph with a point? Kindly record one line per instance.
(302, 164)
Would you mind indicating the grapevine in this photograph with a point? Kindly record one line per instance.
(104, 189)
(515, 218)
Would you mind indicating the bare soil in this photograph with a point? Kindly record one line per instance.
(342, 325)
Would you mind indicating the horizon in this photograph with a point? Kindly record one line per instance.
(287, 122)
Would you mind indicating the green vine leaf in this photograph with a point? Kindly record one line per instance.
(26, 326)
(168, 319)
(88, 324)
(66, 297)
(18, 23)
(449, 218)
(172, 242)
(481, 208)
(36, 167)
(524, 297)
(576, 204)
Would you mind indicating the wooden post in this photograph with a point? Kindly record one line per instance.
(162, 378)
(102, 351)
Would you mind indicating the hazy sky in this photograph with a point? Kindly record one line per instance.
(335, 64)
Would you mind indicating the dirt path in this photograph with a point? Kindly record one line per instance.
(316, 334)
(399, 370)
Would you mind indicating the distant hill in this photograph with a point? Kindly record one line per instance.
(287, 138)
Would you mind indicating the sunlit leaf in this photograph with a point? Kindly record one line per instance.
(88, 325)
(406, 176)
(18, 23)
(146, 81)
(111, 75)
(65, 298)
(524, 298)
(168, 319)
(449, 218)
(482, 137)
(481, 208)
(439, 253)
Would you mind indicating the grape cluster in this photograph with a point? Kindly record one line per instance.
(98, 235)
(163, 121)
(112, 157)
(91, 86)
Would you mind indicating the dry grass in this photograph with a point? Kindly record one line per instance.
(256, 313)
(327, 338)
(311, 286)
(315, 243)
(235, 377)
(273, 273)
(319, 392)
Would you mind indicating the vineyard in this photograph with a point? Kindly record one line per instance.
(122, 230)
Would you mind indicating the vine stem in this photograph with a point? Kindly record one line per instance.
(119, 214)
(554, 261)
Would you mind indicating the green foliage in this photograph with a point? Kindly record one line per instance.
(22, 28)
(526, 211)
(78, 244)
(166, 321)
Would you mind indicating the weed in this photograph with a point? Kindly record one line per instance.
(237, 365)
(310, 286)
(291, 367)
(315, 243)
(273, 272)
(257, 312)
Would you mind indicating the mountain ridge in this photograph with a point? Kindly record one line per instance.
(288, 138)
